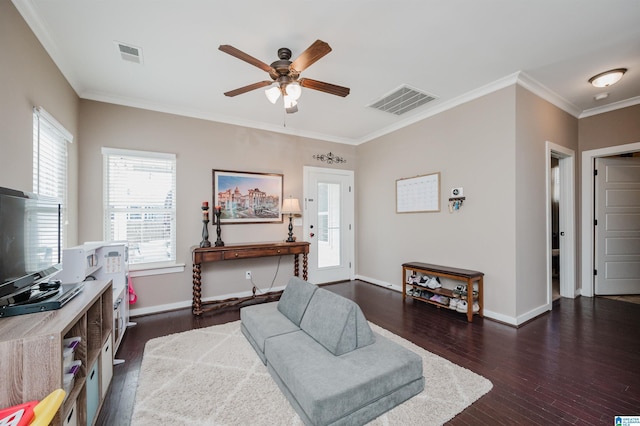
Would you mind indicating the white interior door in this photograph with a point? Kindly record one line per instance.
(617, 229)
(328, 223)
(565, 192)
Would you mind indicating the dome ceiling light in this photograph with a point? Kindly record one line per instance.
(607, 78)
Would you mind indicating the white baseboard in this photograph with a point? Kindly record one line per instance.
(488, 314)
(532, 314)
(394, 287)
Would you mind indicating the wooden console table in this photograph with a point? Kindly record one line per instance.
(202, 255)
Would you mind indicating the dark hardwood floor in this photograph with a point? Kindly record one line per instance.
(579, 364)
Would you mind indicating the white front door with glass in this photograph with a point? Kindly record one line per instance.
(328, 223)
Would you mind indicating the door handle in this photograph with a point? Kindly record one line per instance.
(562, 234)
(311, 234)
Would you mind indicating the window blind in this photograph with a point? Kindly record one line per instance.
(139, 203)
(50, 141)
(49, 156)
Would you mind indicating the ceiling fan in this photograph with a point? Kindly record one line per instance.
(285, 75)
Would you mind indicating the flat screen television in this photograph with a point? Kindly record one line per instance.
(30, 243)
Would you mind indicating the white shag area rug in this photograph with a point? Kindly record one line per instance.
(212, 376)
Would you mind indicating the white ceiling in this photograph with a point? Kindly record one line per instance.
(454, 49)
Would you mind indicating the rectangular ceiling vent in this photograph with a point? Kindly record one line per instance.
(401, 100)
(130, 53)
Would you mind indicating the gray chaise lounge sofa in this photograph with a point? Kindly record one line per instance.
(331, 366)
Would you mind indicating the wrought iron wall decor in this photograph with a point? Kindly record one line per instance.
(329, 158)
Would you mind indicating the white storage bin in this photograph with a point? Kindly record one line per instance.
(106, 365)
(68, 382)
(67, 358)
(71, 418)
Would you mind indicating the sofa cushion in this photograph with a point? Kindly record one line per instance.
(335, 322)
(295, 298)
(263, 321)
(328, 388)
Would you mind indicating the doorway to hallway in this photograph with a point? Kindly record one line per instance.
(560, 222)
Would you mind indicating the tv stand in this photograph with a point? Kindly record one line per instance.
(31, 349)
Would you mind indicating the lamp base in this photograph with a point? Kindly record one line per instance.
(291, 238)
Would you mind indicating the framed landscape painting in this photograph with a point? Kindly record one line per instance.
(247, 197)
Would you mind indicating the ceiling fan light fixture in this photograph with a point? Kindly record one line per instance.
(272, 93)
(293, 90)
(289, 101)
(290, 104)
(607, 78)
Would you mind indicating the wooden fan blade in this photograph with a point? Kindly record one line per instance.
(324, 87)
(245, 57)
(313, 53)
(248, 88)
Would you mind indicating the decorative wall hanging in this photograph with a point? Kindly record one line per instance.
(329, 158)
(247, 197)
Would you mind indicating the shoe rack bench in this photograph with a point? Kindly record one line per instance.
(467, 276)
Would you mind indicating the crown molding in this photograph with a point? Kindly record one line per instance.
(611, 107)
(219, 118)
(547, 94)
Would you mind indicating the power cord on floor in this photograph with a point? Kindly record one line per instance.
(257, 289)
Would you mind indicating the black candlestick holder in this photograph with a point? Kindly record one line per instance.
(217, 212)
(205, 229)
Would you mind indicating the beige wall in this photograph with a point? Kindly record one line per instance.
(494, 147)
(619, 127)
(472, 146)
(28, 78)
(200, 146)
(537, 121)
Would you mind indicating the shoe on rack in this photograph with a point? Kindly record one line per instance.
(434, 283)
(423, 281)
(411, 279)
(459, 290)
(443, 300)
(453, 303)
(475, 293)
(462, 307)
(475, 307)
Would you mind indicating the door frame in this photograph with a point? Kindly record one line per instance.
(566, 163)
(350, 218)
(588, 200)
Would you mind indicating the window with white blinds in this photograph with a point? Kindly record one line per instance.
(50, 141)
(140, 203)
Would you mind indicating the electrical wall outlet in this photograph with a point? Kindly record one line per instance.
(247, 275)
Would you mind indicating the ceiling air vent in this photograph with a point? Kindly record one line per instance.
(402, 100)
(130, 53)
